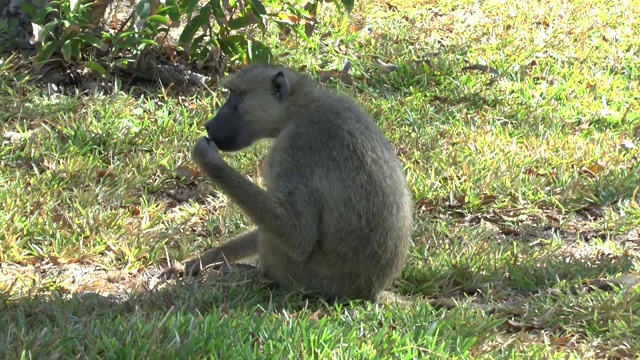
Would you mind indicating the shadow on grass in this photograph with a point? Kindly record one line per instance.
(231, 313)
(529, 273)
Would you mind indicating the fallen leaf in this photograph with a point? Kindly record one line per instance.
(309, 27)
(341, 49)
(104, 173)
(636, 132)
(628, 145)
(294, 315)
(345, 77)
(187, 173)
(385, 66)
(518, 326)
(132, 199)
(401, 151)
(627, 280)
(171, 52)
(510, 232)
(257, 341)
(591, 212)
(36, 36)
(596, 168)
(55, 260)
(551, 80)
(564, 340)
(390, 6)
(482, 68)
(544, 318)
(293, 19)
(318, 314)
(310, 21)
(488, 199)
(15, 137)
(459, 200)
(582, 127)
(592, 170)
(553, 219)
(445, 303)
(427, 206)
(327, 75)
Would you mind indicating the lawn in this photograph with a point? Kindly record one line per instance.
(518, 123)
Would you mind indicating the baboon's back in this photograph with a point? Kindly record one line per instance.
(352, 170)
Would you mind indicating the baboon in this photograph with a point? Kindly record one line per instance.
(336, 216)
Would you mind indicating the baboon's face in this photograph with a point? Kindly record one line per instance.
(255, 109)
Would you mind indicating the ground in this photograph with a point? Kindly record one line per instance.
(518, 124)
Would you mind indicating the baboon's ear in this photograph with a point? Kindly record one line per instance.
(280, 85)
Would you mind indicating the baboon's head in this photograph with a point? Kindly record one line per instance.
(255, 109)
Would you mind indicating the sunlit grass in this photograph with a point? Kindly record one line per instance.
(525, 185)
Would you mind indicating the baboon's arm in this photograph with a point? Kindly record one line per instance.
(292, 221)
(241, 247)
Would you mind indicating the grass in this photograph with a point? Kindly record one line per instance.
(525, 183)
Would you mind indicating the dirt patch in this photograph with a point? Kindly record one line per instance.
(74, 279)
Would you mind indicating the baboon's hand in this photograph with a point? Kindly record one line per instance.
(191, 267)
(206, 154)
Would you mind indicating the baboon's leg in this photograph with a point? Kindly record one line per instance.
(293, 223)
(241, 247)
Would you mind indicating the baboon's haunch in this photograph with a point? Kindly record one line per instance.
(335, 218)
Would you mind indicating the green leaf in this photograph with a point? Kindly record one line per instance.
(239, 23)
(190, 29)
(232, 46)
(143, 9)
(126, 34)
(75, 48)
(73, 5)
(91, 39)
(173, 10)
(258, 8)
(239, 46)
(216, 6)
(302, 34)
(347, 4)
(191, 5)
(28, 9)
(96, 67)
(46, 30)
(205, 13)
(66, 50)
(158, 19)
(259, 52)
(47, 50)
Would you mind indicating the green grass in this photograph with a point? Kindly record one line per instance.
(525, 186)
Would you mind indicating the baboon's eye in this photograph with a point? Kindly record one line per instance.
(234, 99)
(233, 93)
(228, 92)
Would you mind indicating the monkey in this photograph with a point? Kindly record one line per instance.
(335, 215)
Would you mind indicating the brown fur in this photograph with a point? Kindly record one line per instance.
(336, 215)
